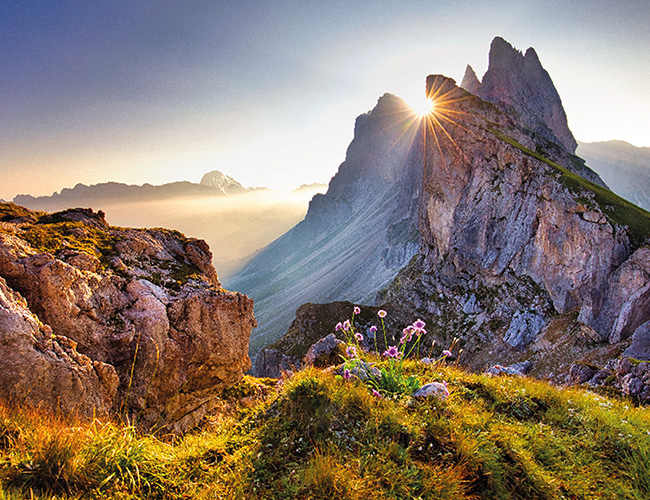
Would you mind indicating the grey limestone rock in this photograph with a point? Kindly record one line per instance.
(361, 370)
(434, 389)
(631, 385)
(326, 352)
(580, 373)
(524, 327)
(640, 346)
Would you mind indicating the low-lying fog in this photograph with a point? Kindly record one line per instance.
(234, 226)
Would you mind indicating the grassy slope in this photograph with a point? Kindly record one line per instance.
(319, 436)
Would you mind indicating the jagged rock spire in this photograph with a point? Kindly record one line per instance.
(520, 81)
(470, 82)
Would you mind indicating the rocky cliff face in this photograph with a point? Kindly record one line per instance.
(525, 255)
(520, 257)
(356, 237)
(102, 319)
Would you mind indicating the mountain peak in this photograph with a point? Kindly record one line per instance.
(504, 56)
(470, 81)
(519, 81)
(218, 180)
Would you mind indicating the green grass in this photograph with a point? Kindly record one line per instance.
(51, 233)
(11, 211)
(318, 436)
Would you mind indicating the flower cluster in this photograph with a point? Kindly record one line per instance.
(389, 379)
(417, 329)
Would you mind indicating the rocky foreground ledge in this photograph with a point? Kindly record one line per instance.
(101, 320)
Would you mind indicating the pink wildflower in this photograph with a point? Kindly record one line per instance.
(346, 324)
(418, 327)
(392, 352)
(339, 326)
(446, 352)
(357, 310)
(381, 313)
(407, 334)
(372, 329)
(347, 375)
(376, 393)
(351, 351)
(358, 336)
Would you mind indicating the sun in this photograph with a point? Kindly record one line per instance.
(423, 107)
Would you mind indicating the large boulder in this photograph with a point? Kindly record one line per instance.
(42, 369)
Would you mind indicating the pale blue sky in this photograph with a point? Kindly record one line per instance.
(156, 91)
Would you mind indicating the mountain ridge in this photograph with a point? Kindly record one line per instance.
(347, 244)
(624, 167)
(520, 257)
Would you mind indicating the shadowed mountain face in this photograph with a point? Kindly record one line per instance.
(356, 237)
(625, 168)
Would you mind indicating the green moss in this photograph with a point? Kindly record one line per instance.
(11, 211)
(52, 237)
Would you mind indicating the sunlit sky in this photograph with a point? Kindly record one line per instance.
(157, 91)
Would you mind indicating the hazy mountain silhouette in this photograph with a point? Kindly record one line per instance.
(624, 167)
(234, 220)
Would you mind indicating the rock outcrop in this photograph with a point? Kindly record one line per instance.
(43, 369)
(518, 81)
(130, 320)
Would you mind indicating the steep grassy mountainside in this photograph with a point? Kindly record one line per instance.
(319, 436)
(625, 168)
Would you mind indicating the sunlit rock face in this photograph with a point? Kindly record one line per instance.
(520, 258)
(356, 237)
(524, 255)
(98, 320)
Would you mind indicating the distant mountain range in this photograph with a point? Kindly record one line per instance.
(234, 220)
(213, 183)
(624, 167)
